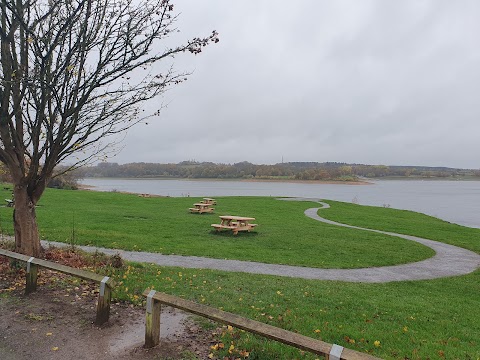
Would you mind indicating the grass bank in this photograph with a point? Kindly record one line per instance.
(434, 319)
(431, 319)
(403, 222)
(157, 224)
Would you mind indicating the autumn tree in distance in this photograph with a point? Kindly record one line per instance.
(73, 74)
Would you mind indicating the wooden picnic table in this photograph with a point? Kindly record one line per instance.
(235, 223)
(201, 208)
(209, 201)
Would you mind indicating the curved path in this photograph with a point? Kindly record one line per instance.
(448, 261)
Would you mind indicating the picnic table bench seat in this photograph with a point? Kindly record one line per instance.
(219, 227)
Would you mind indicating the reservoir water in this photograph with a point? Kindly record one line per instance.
(453, 201)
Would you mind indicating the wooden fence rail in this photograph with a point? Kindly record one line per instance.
(152, 327)
(106, 284)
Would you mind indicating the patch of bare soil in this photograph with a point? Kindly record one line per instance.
(56, 322)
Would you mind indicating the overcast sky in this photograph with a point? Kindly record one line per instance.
(374, 82)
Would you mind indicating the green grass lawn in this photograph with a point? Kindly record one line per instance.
(434, 319)
(430, 319)
(284, 235)
(403, 222)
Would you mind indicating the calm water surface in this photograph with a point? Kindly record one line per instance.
(454, 201)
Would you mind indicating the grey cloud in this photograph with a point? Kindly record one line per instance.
(380, 81)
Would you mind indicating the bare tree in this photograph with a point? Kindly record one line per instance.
(73, 73)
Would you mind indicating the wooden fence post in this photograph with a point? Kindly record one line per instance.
(103, 304)
(31, 280)
(152, 321)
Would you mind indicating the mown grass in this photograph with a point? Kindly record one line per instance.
(434, 319)
(403, 222)
(284, 235)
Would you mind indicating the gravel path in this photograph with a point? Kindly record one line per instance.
(448, 261)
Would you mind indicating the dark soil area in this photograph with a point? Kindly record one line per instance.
(56, 322)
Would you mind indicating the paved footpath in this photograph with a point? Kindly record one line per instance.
(448, 261)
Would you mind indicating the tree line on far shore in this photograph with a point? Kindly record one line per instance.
(327, 171)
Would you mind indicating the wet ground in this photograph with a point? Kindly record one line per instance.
(53, 324)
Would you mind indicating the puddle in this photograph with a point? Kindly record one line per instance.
(133, 334)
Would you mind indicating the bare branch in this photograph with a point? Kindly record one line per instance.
(75, 73)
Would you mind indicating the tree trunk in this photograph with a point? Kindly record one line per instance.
(27, 240)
